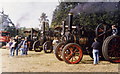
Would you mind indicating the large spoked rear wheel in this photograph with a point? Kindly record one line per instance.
(102, 31)
(48, 47)
(111, 49)
(72, 53)
(37, 46)
(58, 51)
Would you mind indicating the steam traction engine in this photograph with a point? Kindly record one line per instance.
(75, 41)
(32, 36)
(4, 38)
(110, 48)
(44, 41)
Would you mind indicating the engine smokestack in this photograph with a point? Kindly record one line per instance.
(43, 28)
(70, 22)
(31, 33)
(63, 23)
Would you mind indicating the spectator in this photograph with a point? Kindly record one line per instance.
(26, 46)
(16, 45)
(12, 47)
(23, 46)
(55, 41)
(96, 47)
(114, 30)
(9, 43)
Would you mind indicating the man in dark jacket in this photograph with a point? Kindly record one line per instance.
(96, 47)
(16, 45)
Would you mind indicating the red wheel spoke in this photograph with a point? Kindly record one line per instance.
(110, 46)
(110, 51)
(118, 43)
(69, 56)
(114, 53)
(74, 57)
(111, 54)
(117, 54)
(70, 48)
(100, 30)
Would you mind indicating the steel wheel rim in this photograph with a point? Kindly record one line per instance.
(37, 46)
(114, 49)
(59, 52)
(47, 47)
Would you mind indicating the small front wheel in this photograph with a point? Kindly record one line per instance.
(37, 46)
(48, 47)
(58, 51)
(72, 53)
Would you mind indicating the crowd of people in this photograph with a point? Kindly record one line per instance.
(15, 45)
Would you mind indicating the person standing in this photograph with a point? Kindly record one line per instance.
(96, 47)
(8, 45)
(55, 41)
(26, 46)
(23, 46)
(114, 30)
(12, 47)
(16, 45)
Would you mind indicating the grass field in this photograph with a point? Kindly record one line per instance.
(41, 62)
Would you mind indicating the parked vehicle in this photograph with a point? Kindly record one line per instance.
(4, 38)
(44, 41)
(76, 41)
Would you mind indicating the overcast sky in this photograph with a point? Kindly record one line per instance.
(27, 12)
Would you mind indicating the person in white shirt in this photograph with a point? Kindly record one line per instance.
(114, 30)
(55, 41)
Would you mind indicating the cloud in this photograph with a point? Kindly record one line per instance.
(28, 0)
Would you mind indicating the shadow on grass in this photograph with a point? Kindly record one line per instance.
(29, 55)
(101, 62)
(87, 62)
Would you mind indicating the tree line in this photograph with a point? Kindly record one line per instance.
(87, 13)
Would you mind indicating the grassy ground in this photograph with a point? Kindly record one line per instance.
(41, 62)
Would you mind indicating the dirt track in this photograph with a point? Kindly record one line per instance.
(41, 62)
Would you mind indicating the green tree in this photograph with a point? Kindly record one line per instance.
(61, 12)
(93, 15)
(43, 18)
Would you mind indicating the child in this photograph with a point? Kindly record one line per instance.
(96, 47)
